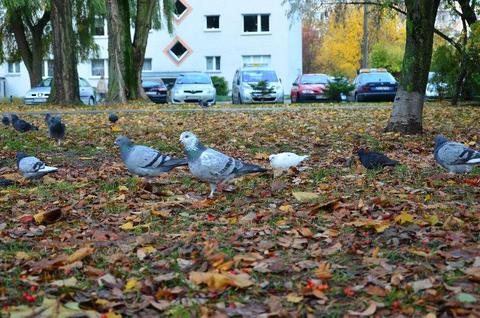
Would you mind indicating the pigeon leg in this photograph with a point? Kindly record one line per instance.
(213, 187)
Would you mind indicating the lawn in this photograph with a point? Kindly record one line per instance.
(327, 240)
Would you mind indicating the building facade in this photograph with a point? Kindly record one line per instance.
(214, 36)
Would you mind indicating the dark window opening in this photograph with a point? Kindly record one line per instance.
(180, 8)
(213, 22)
(250, 23)
(99, 26)
(178, 50)
(265, 18)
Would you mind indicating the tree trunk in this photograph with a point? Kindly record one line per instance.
(126, 58)
(65, 89)
(365, 37)
(462, 75)
(32, 56)
(407, 113)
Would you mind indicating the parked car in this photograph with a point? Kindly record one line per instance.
(40, 93)
(435, 89)
(245, 86)
(193, 88)
(309, 87)
(374, 84)
(155, 90)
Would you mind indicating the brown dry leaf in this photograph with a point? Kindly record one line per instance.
(47, 217)
(324, 271)
(218, 281)
(80, 254)
(305, 231)
(473, 273)
(375, 290)
(372, 308)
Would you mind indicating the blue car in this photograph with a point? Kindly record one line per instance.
(374, 85)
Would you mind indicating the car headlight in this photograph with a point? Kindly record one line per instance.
(308, 91)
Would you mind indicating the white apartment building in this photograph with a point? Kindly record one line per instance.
(213, 36)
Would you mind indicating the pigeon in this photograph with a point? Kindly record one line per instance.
(285, 160)
(145, 161)
(6, 182)
(21, 125)
(6, 120)
(213, 166)
(375, 160)
(454, 156)
(31, 167)
(113, 118)
(56, 128)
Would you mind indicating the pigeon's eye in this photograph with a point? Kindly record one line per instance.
(187, 136)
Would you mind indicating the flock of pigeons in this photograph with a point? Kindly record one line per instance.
(215, 167)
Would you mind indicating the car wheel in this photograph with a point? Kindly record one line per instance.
(234, 102)
(293, 98)
(91, 101)
(358, 98)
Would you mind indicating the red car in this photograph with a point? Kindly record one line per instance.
(309, 87)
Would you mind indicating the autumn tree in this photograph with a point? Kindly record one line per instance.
(25, 35)
(126, 57)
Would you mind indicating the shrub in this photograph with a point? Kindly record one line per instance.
(221, 85)
(337, 87)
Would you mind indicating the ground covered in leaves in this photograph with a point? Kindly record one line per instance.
(327, 240)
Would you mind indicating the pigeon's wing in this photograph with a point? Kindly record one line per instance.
(146, 157)
(217, 164)
(30, 165)
(455, 153)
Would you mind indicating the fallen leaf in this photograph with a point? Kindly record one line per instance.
(127, 226)
(403, 218)
(217, 281)
(294, 298)
(324, 271)
(421, 284)
(305, 196)
(466, 298)
(132, 285)
(367, 312)
(80, 254)
(48, 217)
(69, 282)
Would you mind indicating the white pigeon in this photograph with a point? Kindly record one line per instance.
(31, 167)
(283, 161)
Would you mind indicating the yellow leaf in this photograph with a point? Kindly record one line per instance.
(432, 219)
(375, 252)
(306, 196)
(294, 298)
(286, 208)
(120, 198)
(261, 155)
(102, 302)
(80, 254)
(323, 271)
(122, 189)
(116, 129)
(127, 226)
(111, 314)
(381, 226)
(428, 197)
(132, 284)
(22, 256)
(404, 217)
(216, 281)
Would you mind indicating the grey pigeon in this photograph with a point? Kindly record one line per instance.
(6, 120)
(454, 156)
(21, 125)
(213, 166)
(113, 118)
(56, 128)
(31, 167)
(375, 160)
(145, 161)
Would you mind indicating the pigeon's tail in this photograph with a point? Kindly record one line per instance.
(6, 183)
(474, 158)
(248, 168)
(48, 169)
(176, 162)
(391, 163)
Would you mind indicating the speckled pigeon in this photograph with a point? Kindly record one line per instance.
(454, 156)
(31, 167)
(56, 128)
(145, 161)
(213, 166)
(21, 125)
(375, 160)
(6, 120)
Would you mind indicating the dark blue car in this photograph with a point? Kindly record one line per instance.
(374, 85)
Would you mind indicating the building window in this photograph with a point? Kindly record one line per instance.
(255, 23)
(180, 8)
(100, 26)
(48, 70)
(213, 63)
(178, 51)
(147, 65)
(213, 22)
(98, 67)
(256, 60)
(13, 67)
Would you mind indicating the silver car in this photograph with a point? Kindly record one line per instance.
(245, 87)
(40, 94)
(193, 88)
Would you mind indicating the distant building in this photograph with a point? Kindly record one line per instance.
(214, 36)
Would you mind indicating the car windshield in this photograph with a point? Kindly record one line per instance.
(45, 83)
(153, 84)
(378, 77)
(194, 79)
(259, 75)
(315, 79)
